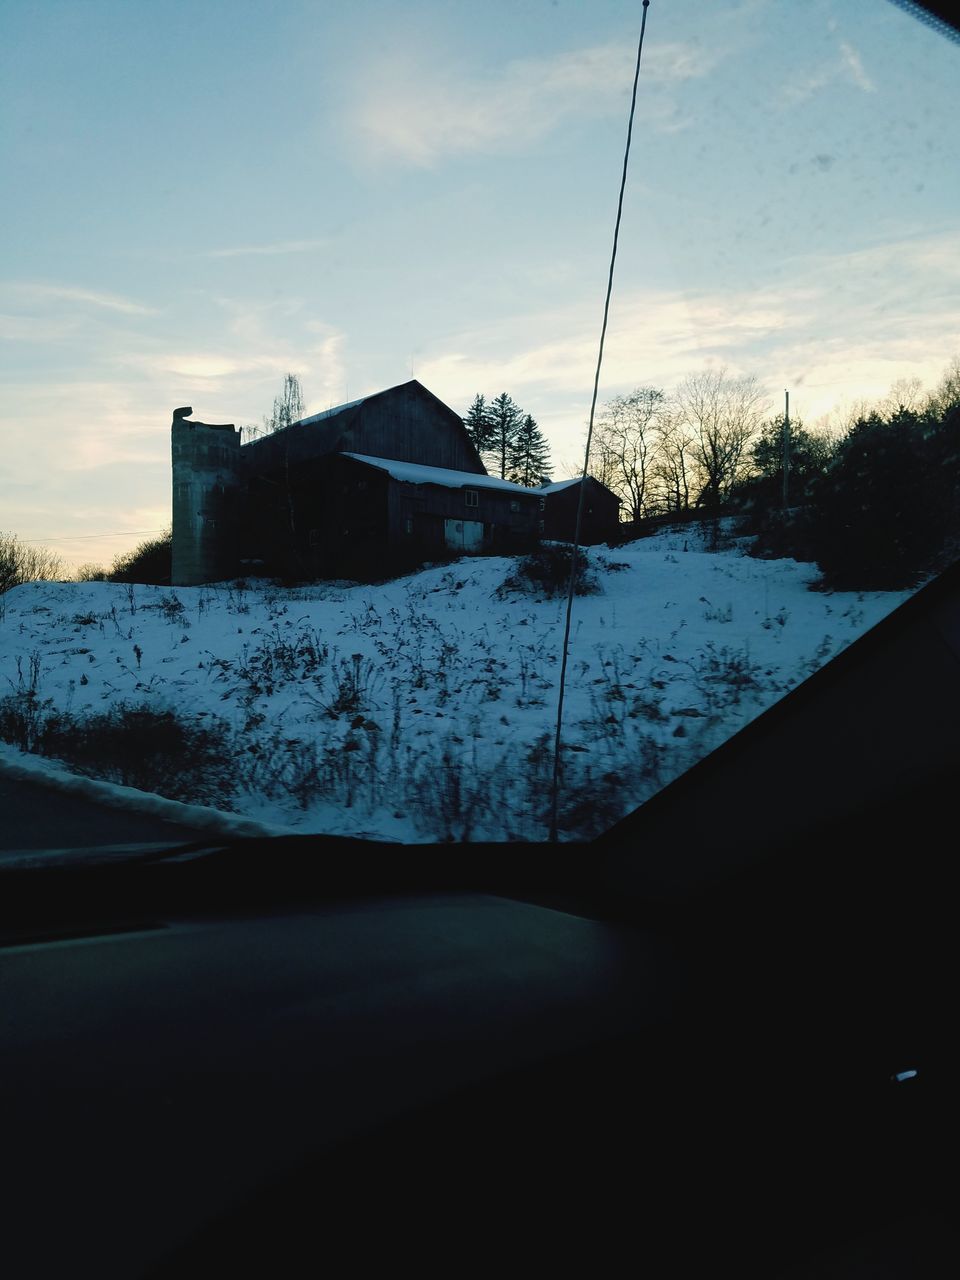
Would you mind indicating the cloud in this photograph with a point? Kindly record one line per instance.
(854, 65)
(852, 325)
(418, 116)
(182, 364)
(848, 65)
(269, 250)
(88, 297)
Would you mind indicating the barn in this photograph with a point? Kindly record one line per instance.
(601, 511)
(374, 485)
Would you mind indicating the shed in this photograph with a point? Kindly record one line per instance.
(601, 511)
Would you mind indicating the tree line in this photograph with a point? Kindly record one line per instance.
(874, 500)
(668, 454)
(658, 453)
(877, 508)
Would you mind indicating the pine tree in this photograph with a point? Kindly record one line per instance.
(478, 424)
(506, 419)
(528, 456)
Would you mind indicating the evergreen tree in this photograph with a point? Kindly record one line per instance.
(881, 507)
(808, 457)
(478, 424)
(528, 455)
(506, 419)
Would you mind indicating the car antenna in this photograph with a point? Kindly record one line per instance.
(555, 783)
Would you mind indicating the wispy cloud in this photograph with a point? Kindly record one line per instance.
(420, 115)
(854, 65)
(847, 66)
(86, 297)
(201, 365)
(855, 324)
(269, 250)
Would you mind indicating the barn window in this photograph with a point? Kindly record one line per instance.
(471, 497)
(408, 525)
(514, 505)
(543, 504)
(540, 526)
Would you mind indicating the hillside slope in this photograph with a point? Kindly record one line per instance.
(423, 708)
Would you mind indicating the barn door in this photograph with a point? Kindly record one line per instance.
(463, 535)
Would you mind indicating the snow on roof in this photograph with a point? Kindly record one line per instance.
(558, 485)
(329, 413)
(416, 473)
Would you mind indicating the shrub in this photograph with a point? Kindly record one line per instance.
(90, 573)
(150, 562)
(546, 572)
(20, 563)
(136, 746)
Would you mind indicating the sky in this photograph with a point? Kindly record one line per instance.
(203, 196)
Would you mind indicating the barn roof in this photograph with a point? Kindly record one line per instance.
(559, 485)
(329, 430)
(416, 473)
(331, 413)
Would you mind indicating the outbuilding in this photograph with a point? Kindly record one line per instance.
(601, 511)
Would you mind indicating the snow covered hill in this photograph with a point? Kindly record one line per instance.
(423, 708)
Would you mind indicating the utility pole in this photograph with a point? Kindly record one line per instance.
(786, 449)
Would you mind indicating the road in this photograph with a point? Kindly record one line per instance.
(33, 816)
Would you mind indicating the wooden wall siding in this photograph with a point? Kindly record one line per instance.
(339, 516)
(409, 424)
(493, 507)
(405, 423)
(298, 444)
(601, 514)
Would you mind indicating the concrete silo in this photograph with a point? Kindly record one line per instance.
(206, 500)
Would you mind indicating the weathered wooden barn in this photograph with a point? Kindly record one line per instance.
(601, 511)
(368, 487)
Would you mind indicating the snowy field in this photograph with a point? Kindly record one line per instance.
(423, 708)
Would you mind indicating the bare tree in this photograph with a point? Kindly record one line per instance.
(287, 406)
(674, 469)
(624, 446)
(20, 563)
(722, 414)
(947, 394)
(90, 572)
(905, 393)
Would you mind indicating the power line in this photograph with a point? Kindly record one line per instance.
(82, 537)
(555, 785)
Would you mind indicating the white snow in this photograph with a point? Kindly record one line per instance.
(57, 777)
(415, 473)
(557, 485)
(423, 708)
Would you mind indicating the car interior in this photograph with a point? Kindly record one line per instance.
(687, 1047)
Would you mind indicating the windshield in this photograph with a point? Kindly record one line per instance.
(320, 287)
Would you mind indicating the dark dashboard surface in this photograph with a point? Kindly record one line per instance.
(214, 1062)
